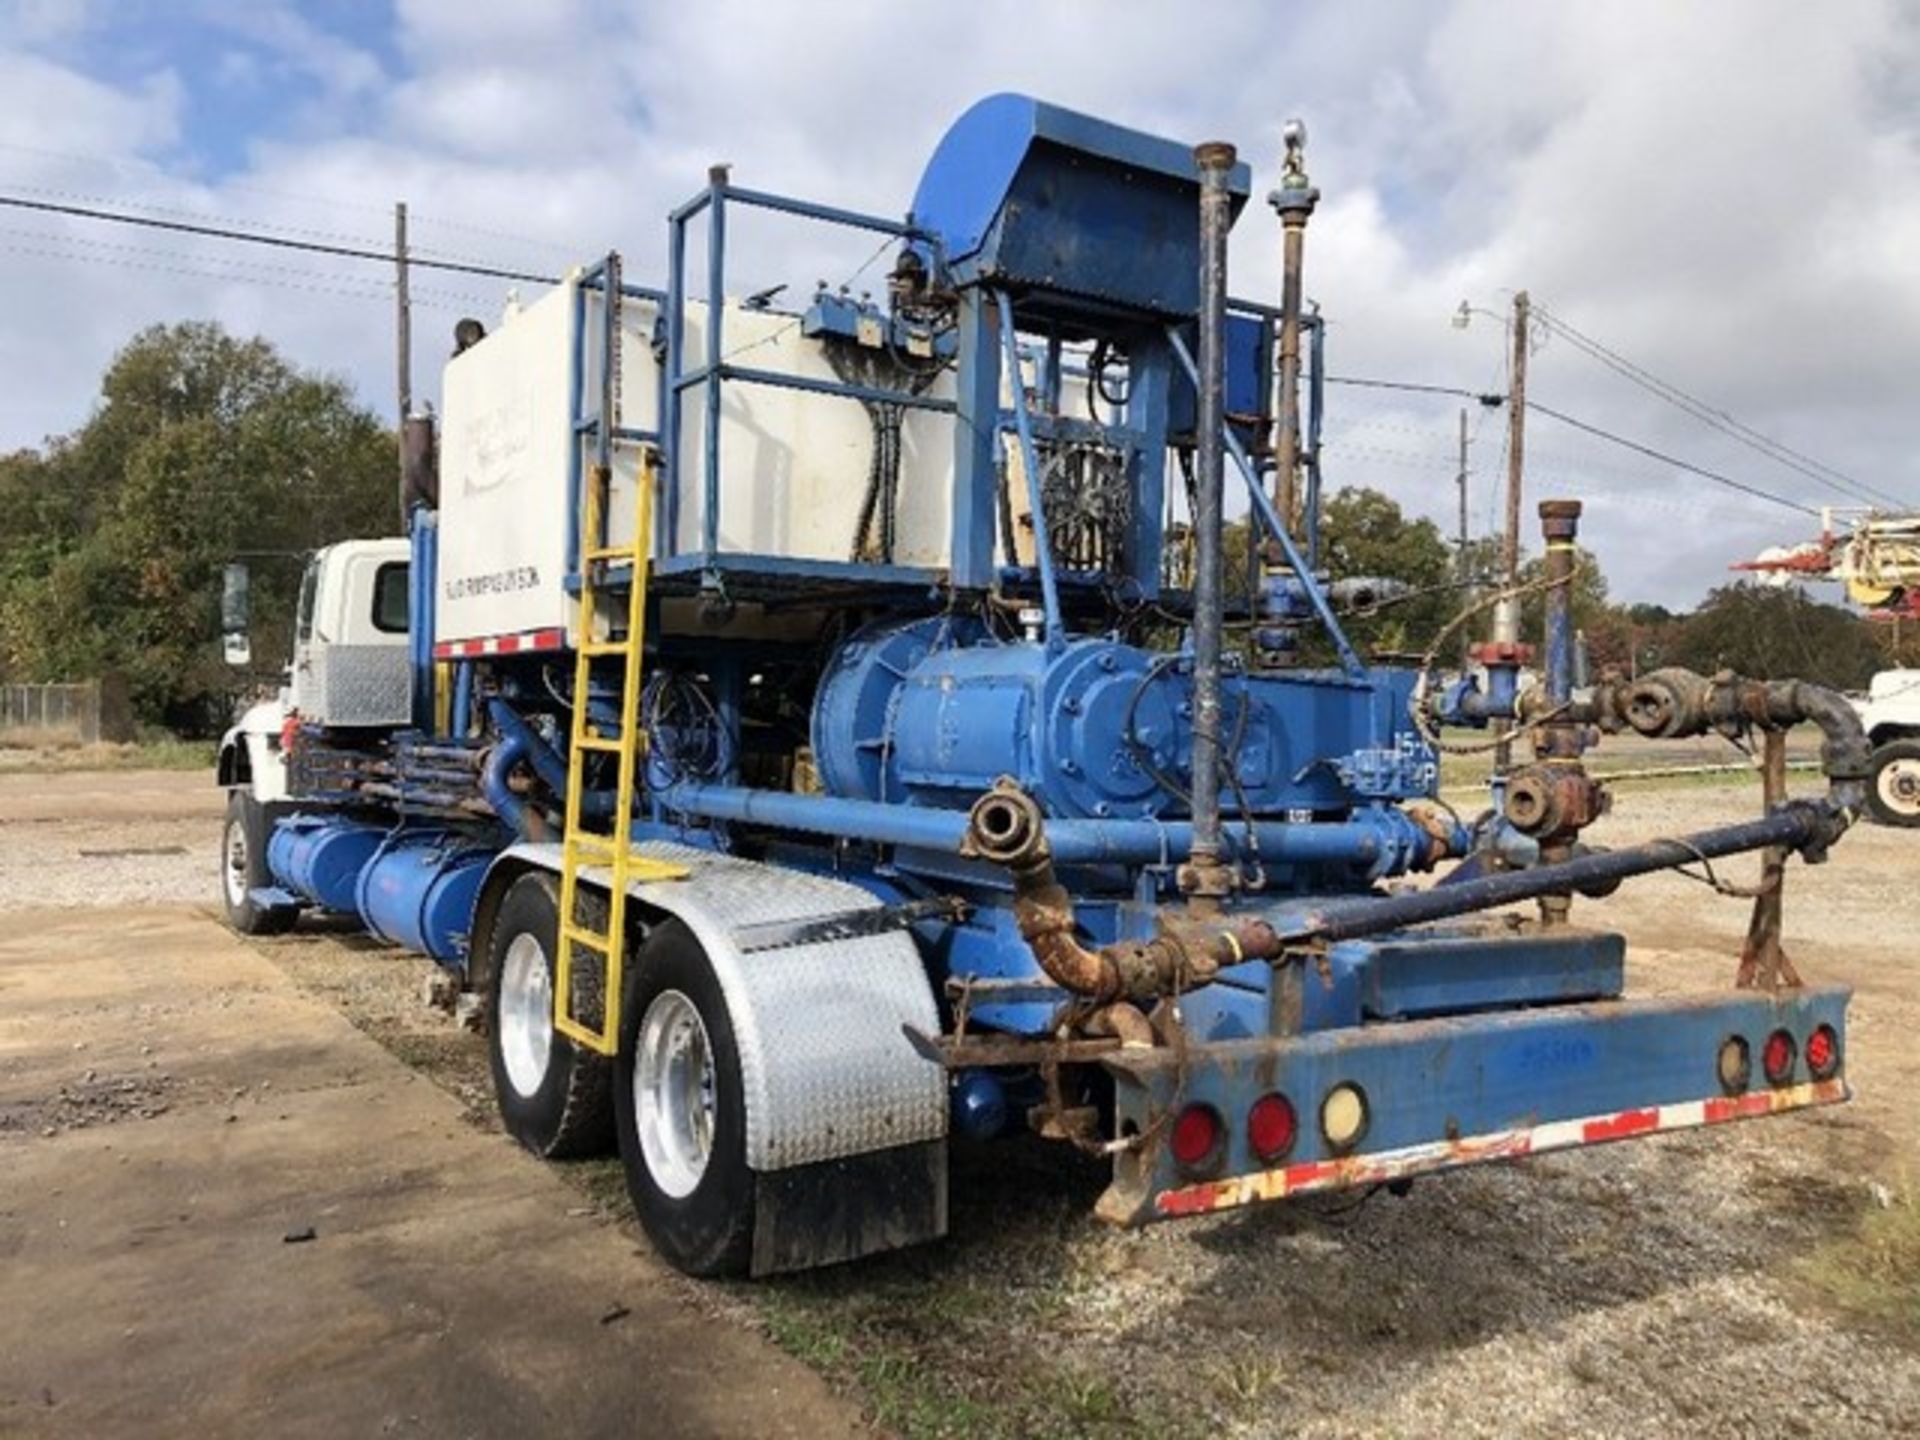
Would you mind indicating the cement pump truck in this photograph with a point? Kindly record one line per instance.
(811, 736)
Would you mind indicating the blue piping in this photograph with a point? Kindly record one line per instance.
(1385, 840)
(1042, 548)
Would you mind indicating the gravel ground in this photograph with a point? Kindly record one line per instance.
(109, 838)
(1682, 1283)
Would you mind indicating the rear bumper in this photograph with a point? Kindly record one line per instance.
(1457, 1091)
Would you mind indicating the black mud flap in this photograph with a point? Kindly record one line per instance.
(837, 1210)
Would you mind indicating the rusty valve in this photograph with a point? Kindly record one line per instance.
(1552, 801)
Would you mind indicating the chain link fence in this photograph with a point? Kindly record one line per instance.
(33, 715)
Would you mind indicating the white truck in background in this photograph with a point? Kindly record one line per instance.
(1891, 717)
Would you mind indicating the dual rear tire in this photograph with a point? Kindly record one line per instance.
(670, 1101)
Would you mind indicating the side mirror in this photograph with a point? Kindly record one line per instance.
(236, 614)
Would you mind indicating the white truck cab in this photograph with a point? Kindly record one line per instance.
(349, 665)
(1891, 717)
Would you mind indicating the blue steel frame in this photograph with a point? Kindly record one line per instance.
(973, 543)
(715, 371)
(1270, 520)
(590, 424)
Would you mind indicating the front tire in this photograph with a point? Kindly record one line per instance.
(243, 868)
(1893, 787)
(553, 1096)
(680, 1109)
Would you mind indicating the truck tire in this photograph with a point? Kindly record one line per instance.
(243, 868)
(681, 1111)
(1893, 789)
(553, 1095)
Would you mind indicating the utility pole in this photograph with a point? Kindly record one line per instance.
(1516, 441)
(1461, 480)
(1462, 567)
(402, 316)
(1506, 615)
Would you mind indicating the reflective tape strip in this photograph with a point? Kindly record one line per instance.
(1389, 1165)
(525, 643)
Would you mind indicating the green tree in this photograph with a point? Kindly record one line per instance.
(203, 447)
(1774, 634)
(1364, 533)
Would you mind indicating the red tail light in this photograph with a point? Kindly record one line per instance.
(1823, 1052)
(1777, 1057)
(1196, 1137)
(1271, 1126)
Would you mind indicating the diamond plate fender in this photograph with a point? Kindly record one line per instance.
(825, 1064)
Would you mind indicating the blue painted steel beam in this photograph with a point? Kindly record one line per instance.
(810, 210)
(753, 376)
(976, 444)
(590, 425)
(1316, 398)
(1270, 518)
(1042, 542)
(716, 313)
(670, 375)
(1470, 1080)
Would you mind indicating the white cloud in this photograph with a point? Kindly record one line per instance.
(1725, 192)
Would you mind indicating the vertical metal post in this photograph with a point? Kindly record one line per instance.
(1030, 456)
(1149, 381)
(1763, 964)
(1559, 740)
(716, 306)
(1316, 402)
(1205, 875)
(1560, 523)
(1294, 202)
(976, 441)
(402, 345)
(675, 367)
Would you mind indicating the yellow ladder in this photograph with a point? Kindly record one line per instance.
(610, 850)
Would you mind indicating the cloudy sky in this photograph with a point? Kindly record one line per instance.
(1727, 194)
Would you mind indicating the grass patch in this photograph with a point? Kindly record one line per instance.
(1873, 1275)
(161, 752)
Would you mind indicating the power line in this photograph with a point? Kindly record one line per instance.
(1415, 387)
(331, 203)
(311, 247)
(1836, 480)
(1455, 391)
(1666, 459)
(131, 258)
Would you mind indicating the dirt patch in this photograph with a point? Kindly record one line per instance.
(91, 1100)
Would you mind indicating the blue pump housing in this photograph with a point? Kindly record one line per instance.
(932, 712)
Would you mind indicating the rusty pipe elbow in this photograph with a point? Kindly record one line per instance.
(1005, 826)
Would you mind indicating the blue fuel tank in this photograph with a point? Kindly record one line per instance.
(419, 892)
(320, 859)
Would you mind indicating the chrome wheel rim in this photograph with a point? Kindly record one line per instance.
(233, 874)
(1899, 786)
(673, 1099)
(526, 1014)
